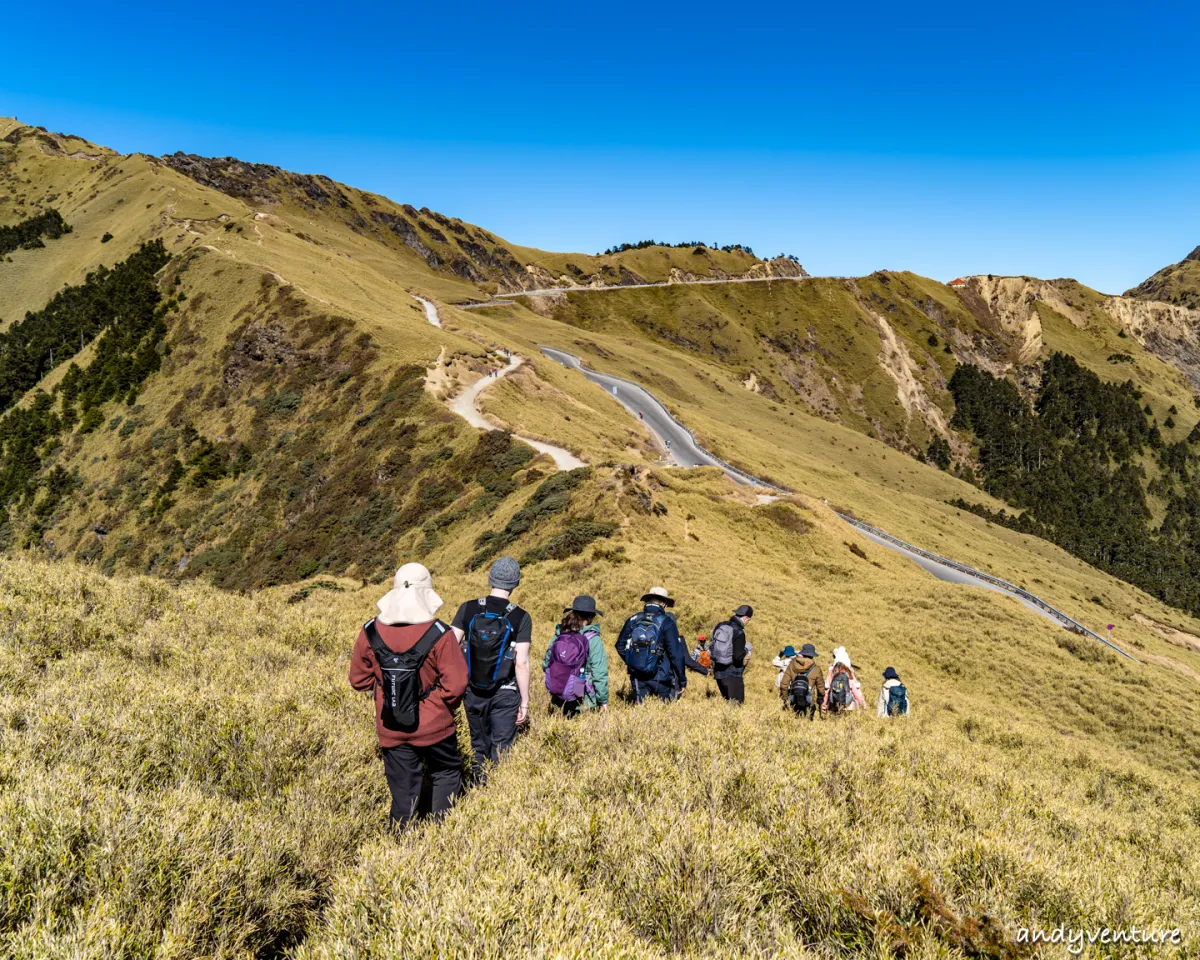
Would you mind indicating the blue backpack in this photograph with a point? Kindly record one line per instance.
(897, 705)
(643, 651)
(485, 644)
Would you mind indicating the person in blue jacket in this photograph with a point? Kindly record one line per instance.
(654, 654)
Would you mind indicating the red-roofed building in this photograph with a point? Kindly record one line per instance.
(957, 283)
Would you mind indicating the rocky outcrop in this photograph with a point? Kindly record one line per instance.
(1011, 304)
(1170, 332)
(779, 267)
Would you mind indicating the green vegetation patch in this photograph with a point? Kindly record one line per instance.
(28, 233)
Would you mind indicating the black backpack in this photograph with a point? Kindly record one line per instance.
(840, 696)
(644, 648)
(800, 696)
(485, 644)
(897, 704)
(401, 685)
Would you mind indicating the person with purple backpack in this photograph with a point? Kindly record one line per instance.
(576, 665)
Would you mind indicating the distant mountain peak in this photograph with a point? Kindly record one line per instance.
(1194, 255)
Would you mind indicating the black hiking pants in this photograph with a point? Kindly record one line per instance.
(651, 688)
(492, 718)
(731, 682)
(405, 767)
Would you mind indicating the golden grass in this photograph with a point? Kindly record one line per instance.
(187, 774)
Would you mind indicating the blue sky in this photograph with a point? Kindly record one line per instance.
(1052, 140)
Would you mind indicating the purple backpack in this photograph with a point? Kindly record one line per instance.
(565, 677)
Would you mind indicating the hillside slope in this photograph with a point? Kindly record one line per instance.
(1177, 284)
(259, 404)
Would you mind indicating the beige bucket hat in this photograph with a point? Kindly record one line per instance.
(658, 595)
(412, 598)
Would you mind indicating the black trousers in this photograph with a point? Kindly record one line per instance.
(731, 682)
(405, 766)
(651, 688)
(492, 718)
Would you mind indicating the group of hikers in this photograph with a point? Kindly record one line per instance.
(420, 669)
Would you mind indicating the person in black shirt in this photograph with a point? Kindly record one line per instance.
(497, 698)
(729, 673)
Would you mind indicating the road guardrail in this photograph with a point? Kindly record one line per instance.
(1071, 624)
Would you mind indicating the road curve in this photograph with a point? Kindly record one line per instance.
(670, 437)
(662, 425)
(431, 310)
(464, 403)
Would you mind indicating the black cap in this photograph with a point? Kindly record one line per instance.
(745, 610)
(891, 674)
(584, 605)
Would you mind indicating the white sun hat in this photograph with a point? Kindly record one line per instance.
(412, 598)
(841, 656)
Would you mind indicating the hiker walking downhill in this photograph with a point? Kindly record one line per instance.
(893, 696)
(418, 673)
(495, 634)
(653, 653)
(801, 685)
(780, 663)
(576, 664)
(843, 692)
(730, 650)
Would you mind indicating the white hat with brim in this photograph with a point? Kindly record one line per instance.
(658, 595)
(841, 656)
(412, 598)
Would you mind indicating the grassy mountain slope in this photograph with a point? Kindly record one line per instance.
(1178, 284)
(186, 772)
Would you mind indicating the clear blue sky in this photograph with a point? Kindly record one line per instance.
(1047, 139)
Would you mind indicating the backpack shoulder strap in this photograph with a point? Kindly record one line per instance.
(429, 638)
(374, 640)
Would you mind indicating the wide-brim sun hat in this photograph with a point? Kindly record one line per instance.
(658, 595)
(808, 650)
(412, 598)
(584, 604)
(788, 651)
(841, 656)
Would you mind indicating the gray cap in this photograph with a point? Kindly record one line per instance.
(505, 574)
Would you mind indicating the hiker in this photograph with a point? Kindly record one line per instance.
(801, 685)
(701, 655)
(843, 692)
(653, 653)
(786, 655)
(495, 634)
(893, 696)
(576, 664)
(729, 651)
(417, 671)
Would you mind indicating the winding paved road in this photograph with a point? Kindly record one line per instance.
(685, 452)
(500, 299)
(464, 403)
(669, 435)
(951, 575)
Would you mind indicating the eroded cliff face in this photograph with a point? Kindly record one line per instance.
(1170, 332)
(1011, 303)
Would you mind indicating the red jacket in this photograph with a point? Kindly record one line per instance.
(445, 669)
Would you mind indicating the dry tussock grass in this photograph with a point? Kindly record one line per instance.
(187, 774)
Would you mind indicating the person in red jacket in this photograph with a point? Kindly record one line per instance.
(406, 614)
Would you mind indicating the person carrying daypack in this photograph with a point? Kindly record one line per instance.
(495, 634)
(649, 645)
(893, 696)
(780, 663)
(576, 663)
(417, 671)
(730, 650)
(701, 655)
(801, 685)
(843, 692)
